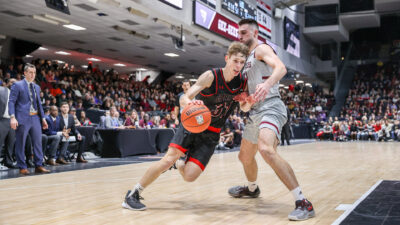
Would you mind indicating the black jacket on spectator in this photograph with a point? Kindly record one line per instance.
(71, 125)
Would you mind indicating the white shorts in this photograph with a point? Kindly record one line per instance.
(270, 114)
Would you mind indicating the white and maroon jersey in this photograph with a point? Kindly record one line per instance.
(257, 72)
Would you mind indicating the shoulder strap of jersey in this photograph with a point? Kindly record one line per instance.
(206, 92)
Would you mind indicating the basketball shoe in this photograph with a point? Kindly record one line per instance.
(132, 202)
(243, 191)
(304, 210)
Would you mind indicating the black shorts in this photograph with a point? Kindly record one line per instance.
(199, 147)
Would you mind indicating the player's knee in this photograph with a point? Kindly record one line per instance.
(189, 178)
(168, 161)
(268, 152)
(245, 158)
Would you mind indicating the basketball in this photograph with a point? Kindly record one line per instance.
(196, 118)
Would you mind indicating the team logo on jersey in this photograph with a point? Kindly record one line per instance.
(200, 119)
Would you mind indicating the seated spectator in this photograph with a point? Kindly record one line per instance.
(353, 131)
(396, 130)
(53, 139)
(146, 123)
(113, 121)
(226, 139)
(73, 113)
(167, 121)
(84, 120)
(328, 132)
(70, 133)
(132, 121)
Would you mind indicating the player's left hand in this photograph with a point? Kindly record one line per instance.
(262, 91)
(196, 102)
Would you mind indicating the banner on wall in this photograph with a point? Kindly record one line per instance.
(219, 24)
(264, 19)
(291, 39)
(215, 22)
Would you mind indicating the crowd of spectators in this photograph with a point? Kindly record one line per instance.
(372, 107)
(371, 110)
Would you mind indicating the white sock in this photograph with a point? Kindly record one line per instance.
(252, 186)
(297, 194)
(137, 187)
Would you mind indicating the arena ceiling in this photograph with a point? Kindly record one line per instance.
(107, 36)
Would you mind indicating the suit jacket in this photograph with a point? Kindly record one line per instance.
(54, 127)
(71, 125)
(20, 102)
(3, 100)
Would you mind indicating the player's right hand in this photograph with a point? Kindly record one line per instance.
(14, 123)
(196, 102)
(251, 99)
(241, 97)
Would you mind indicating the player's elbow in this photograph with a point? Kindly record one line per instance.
(283, 69)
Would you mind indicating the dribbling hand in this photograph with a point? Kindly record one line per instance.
(196, 102)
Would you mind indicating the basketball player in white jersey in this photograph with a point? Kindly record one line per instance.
(267, 116)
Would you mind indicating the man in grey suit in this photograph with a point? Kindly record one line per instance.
(27, 117)
(7, 135)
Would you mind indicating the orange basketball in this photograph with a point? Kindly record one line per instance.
(196, 118)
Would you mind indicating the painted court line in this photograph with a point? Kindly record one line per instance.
(348, 211)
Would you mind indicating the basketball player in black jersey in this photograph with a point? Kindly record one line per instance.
(216, 89)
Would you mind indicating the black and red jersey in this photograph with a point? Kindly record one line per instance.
(219, 96)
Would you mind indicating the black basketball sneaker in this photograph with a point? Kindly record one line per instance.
(132, 202)
(243, 191)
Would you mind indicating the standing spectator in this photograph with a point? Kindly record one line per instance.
(286, 129)
(177, 110)
(27, 115)
(7, 135)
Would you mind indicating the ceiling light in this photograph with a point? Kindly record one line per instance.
(46, 20)
(84, 66)
(141, 69)
(171, 54)
(119, 64)
(42, 49)
(63, 53)
(28, 56)
(137, 12)
(74, 27)
(179, 77)
(59, 61)
(94, 59)
(55, 18)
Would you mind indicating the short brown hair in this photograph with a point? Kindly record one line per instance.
(237, 47)
(250, 22)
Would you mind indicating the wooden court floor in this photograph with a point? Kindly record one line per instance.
(329, 174)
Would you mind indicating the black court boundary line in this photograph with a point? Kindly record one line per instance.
(355, 204)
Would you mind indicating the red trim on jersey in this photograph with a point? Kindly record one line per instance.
(180, 148)
(226, 85)
(216, 84)
(265, 77)
(214, 129)
(202, 167)
(271, 125)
